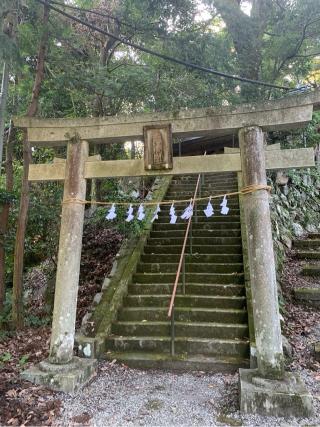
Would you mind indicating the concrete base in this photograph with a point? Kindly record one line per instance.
(67, 378)
(88, 347)
(281, 398)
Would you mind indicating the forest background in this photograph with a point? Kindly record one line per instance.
(59, 68)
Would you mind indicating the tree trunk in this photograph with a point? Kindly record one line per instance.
(17, 300)
(247, 35)
(106, 51)
(133, 149)
(3, 102)
(4, 218)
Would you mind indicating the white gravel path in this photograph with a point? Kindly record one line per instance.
(120, 396)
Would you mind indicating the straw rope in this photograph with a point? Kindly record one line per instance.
(244, 191)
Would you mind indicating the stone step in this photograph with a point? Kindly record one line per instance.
(182, 329)
(191, 289)
(201, 204)
(307, 243)
(314, 236)
(215, 258)
(308, 295)
(196, 232)
(194, 267)
(200, 301)
(226, 278)
(234, 211)
(213, 175)
(207, 180)
(210, 346)
(173, 194)
(180, 203)
(205, 183)
(200, 225)
(164, 217)
(311, 270)
(217, 241)
(180, 363)
(308, 254)
(196, 249)
(219, 187)
(184, 314)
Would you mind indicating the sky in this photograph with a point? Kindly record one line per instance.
(204, 14)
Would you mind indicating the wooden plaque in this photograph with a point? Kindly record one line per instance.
(157, 147)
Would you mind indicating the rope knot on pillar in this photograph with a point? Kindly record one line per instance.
(256, 187)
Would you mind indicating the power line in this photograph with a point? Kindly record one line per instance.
(162, 56)
(95, 12)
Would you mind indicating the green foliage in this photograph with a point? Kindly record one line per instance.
(23, 360)
(5, 357)
(36, 321)
(6, 197)
(5, 314)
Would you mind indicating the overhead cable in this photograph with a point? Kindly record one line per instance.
(160, 55)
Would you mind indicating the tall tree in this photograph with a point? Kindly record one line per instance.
(274, 38)
(17, 299)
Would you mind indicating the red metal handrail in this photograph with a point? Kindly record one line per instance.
(175, 286)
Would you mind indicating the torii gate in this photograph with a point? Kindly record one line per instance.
(259, 388)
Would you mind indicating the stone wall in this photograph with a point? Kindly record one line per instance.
(294, 206)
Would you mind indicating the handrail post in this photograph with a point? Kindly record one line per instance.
(196, 212)
(191, 237)
(172, 331)
(184, 275)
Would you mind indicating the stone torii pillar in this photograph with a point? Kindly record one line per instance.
(62, 370)
(261, 256)
(267, 390)
(70, 242)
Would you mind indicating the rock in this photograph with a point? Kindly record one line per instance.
(85, 320)
(287, 348)
(287, 241)
(281, 178)
(97, 298)
(311, 228)
(113, 269)
(106, 284)
(297, 229)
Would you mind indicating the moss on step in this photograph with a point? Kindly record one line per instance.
(309, 295)
(308, 254)
(311, 270)
(178, 362)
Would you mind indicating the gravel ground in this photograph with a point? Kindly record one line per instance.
(121, 396)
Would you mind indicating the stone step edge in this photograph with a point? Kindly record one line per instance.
(238, 264)
(188, 273)
(213, 297)
(179, 362)
(186, 309)
(191, 284)
(180, 323)
(177, 339)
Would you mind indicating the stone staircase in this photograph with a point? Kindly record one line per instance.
(211, 318)
(309, 250)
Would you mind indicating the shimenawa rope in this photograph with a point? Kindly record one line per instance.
(244, 191)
